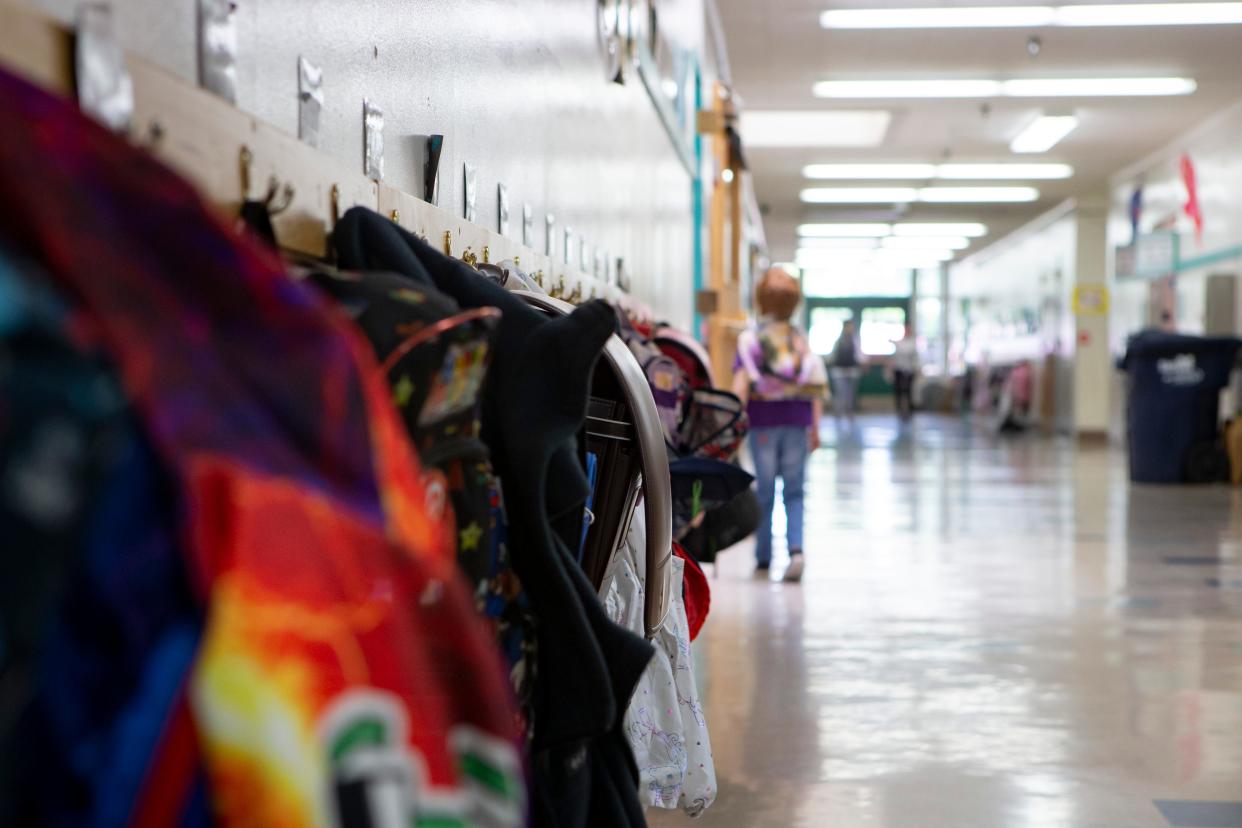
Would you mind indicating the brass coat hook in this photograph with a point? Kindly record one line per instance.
(277, 199)
(155, 135)
(575, 298)
(245, 160)
(448, 242)
(486, 255)
(336, 204)
(469, 257)
(396, 216)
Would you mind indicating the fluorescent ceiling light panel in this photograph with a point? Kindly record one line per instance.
(969, 229)
(811, 128)
(923, 243)
(1150, 14)
(1043, 133)
(859, 195)
(972, 17)
(908, 89)
(855, 258)
(1017, 88)
(848, 230)
(816, 258)
(977, 195)
(1096, 87)
(1003, 172)
(948, 172)
(828, 172)
(906, 195)
(968, 17)
(846, 243)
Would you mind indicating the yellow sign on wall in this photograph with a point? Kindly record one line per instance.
(1091, 300)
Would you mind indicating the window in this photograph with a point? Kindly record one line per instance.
(880, 328)
(825, 328)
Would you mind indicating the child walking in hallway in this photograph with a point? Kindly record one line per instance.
(783, 384)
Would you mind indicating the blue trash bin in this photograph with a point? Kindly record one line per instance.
(1174, 400)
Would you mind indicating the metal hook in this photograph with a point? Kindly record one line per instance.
(245, 159)
(335, 196)
(396, 216)
(486, 255)
(576, 297)
(448, 242)
(155, 135)
(278, 200)
(469, 257)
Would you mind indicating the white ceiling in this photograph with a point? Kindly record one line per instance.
(778, 50)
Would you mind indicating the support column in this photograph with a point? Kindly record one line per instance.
(1093, 364)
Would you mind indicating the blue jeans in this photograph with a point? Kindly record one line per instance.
(845, 390)
(782, 452)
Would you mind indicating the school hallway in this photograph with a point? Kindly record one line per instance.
(992, 633)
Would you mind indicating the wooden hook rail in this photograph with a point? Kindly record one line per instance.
(227, 154)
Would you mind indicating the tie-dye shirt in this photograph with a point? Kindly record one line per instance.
(785, 375)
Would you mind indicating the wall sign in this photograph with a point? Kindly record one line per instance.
(1151, 256)
(1091, 300)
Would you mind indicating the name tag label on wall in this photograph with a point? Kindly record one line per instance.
(310, 101)
(217, 47)
(373, 134)
(470, 208)
(105, 89)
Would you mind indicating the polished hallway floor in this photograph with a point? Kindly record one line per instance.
(992, 633)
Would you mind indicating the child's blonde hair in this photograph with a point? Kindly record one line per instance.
(778, 294)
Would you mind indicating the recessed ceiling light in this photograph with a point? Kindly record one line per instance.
(971, 230)
(827, 172)
(859, 195)
(847, 230)
(938, 18)
(811, 128)
(1100, 14)
(906, 195)
(837, 243)
(1096, 87)
(903, 171)
(1017, 88)
(923, 243)
(1043, 133)
(831, 258)
(908, 89)
(1150, 14)
(971, 195)
(1012, 172)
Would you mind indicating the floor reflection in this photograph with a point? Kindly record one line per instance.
(993, 632)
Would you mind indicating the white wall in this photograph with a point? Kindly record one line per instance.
(1215, 148)
(1019, 291)
(516, 88)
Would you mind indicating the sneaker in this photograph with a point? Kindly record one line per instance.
(796, 564)
(761, 570)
